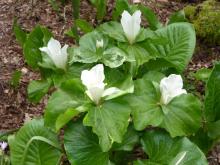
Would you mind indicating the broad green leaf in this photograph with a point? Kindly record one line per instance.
(19, 33)
(152, 19)
(203, 74)
(88, 52)
(82, 146)
(136, 53)
(64, 118)
(213, 130)
(154, 76)
(162, 149)
(202, 140)
(109, 121)
(113, 57)
(37, 89)
(130, 139)
(177, 17)
(36, 39)
(84, 25)
(179, 50)
(70, 95)
(182, 116)
(113, 30)
(31, 143)
(212, 103)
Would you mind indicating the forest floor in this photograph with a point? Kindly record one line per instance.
(14, 105)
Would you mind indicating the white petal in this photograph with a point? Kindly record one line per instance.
(45, 50)
(110, 91)
(95, 93)
(93, 77)
(171, 87)
(54, 46)
(58, 55)
(131, 25)
(98, 71)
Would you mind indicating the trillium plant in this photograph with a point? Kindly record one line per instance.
(117, 93)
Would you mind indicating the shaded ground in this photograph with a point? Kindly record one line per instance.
(14, 106)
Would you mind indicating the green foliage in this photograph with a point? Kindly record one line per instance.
(162, 149)
(206, 20)
(104, 111)
(15, 79)
(147, 110)
(36, 39)
(28, 146)
(82, 146)
(37, 89)
(19, 33)
(203, 74)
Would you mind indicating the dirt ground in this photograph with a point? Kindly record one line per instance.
(14, 106)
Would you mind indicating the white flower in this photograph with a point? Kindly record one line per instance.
(99, 44)
(131, 25)
(56, 53)
(93, 79)
(3, 145)
(171, 87)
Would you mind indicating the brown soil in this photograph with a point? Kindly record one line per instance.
(14, 105)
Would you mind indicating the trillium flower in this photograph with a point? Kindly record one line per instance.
(131, 25)
(171, 87)
(99, 44)
(56, 53)
(93, 79)
(3, 145)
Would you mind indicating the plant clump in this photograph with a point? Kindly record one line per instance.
(206, 20)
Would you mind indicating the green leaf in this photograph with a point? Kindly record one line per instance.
(113, 30)
(19, 33)
(213, 130)
(152, 19)
(64, 118)
(136, 53)
(153, 76)
(162, 149)
(37, 89)
(88, 52)
(76, 8)
(120, 6)
(31, 143)
(212, 104)
(101, 8)
(82, 146)
(36, 39)
(177, 17)
(85, 26)
(182, 116)
(179, 50)
(130, 139)
(113, 57)
(109, 121)
(70, 95)
(203, 74)
(15, 79)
